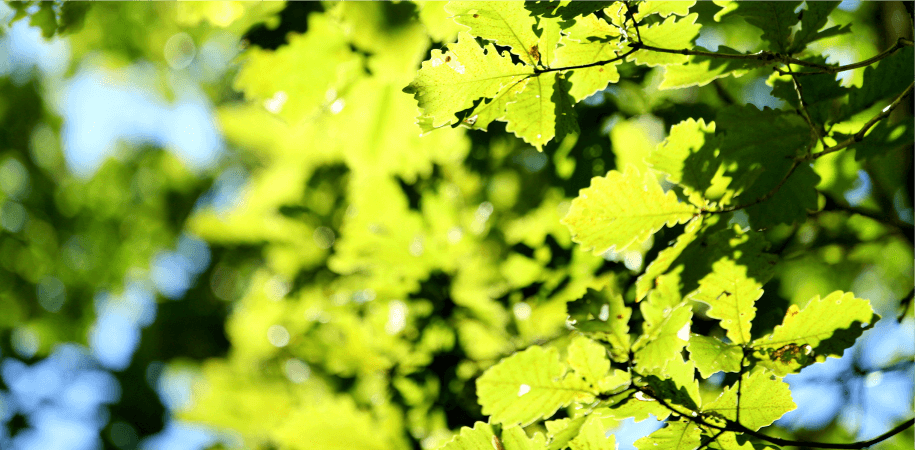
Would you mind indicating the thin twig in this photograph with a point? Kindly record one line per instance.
(802, 111)
(634, 22)
(901, 42)
(585, 66)
(758, 56)
(853, 445)
(835, 204)
(857, 137)
(905, 305)
(794, 165)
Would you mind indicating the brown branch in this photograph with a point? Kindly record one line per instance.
(859, 136)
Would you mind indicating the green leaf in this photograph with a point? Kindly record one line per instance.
(514, 438)
(671, 34)
(527, 386)
(825, 326)
(565, 9)
(687, 157)
(663, 8)
(603, 315)
(775, 19)
(702, 70)
(480, 437)
(542, 110)
(622, 208)
(665, 333)
(588, 359)
(450, 82)
(813, 18)
(679, 435)
(731, 296)
(758, 158)
(593, 436)
(763, 399)
(561, 431)
(508, 24)
(820, 91)
(668, 256)
(728, 441)
(712, 355)
(715, 241)
(590, 40)
(889, 78)
(884, 138)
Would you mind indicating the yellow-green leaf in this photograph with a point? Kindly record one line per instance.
(622, 208)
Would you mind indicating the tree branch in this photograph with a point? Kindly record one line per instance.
(854, 445)
(901, 42)
(835, 204)
(802, 110)
(859, 136)
(584, 66)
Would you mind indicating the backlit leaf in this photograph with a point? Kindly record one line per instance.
(622, 208)
(527, 386)
(763, 399)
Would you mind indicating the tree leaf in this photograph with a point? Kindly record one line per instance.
(763, 399)
(813, 18)
(728, 441)
(679, 435)
(622, 208)
(888, 78)
(542, 110)
(731, 296)
(775, 19)
(687, 156)
(527, 386)
(663, 8)
(508, 24)
(450, 82)
(666, 257)
(565, 9)
(665, 333)
(593, 436)
(671, 34)
(712, 355)
(590, 40)
(604, 316)
(825, 326)
(480, 437)
(702, 70)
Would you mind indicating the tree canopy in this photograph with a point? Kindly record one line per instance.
(465, 225)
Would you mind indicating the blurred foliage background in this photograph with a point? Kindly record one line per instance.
(221, 228)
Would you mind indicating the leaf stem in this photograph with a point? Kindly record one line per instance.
(538, 71)
(857, 137)
(802, 110)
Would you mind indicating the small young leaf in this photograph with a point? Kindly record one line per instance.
(712, 355)
(527, 386)
(687, 156)
(604, 316)
(763, 399)
(622, 208)
(480, 437)
(731, 296)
